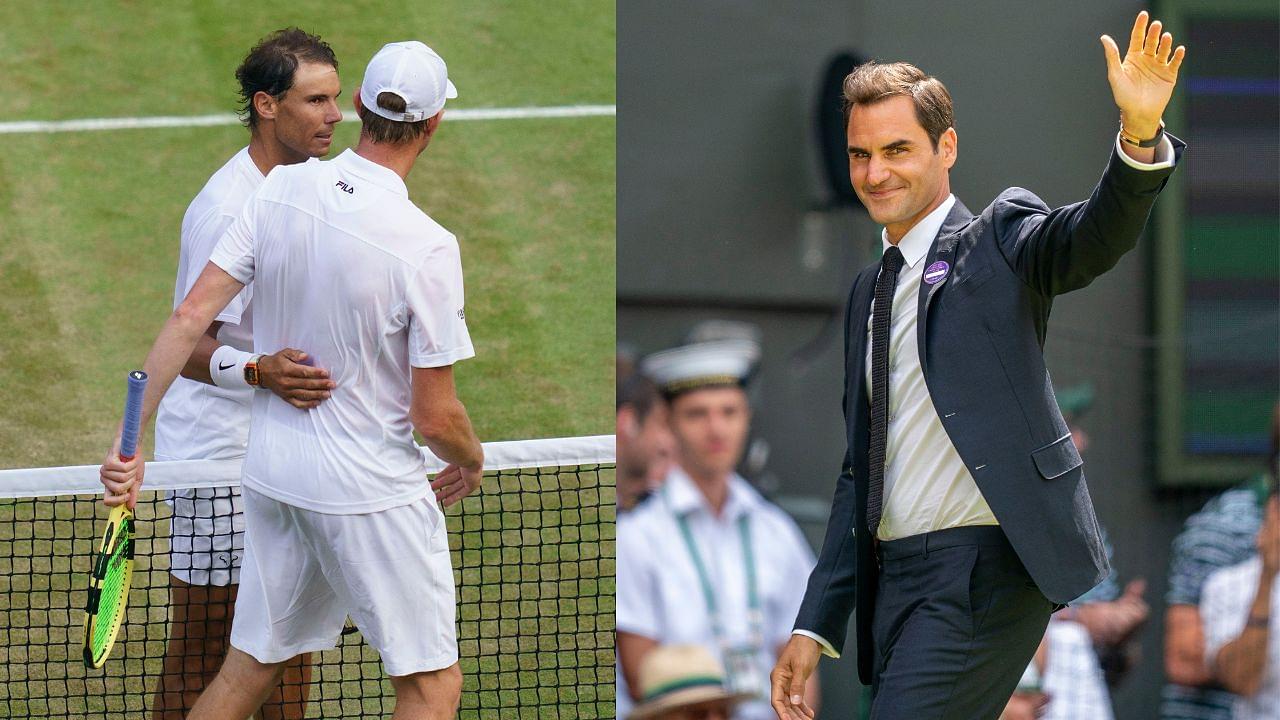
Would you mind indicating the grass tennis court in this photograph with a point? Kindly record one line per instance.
(90, 230)
(89, 241)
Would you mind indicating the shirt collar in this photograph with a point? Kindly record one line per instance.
(251, 167)
(382, 176)
(915, 244)
(684, 496)
(247, 164)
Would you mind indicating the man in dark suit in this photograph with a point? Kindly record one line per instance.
(961, 518)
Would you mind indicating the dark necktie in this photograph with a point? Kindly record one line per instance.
(881, 319)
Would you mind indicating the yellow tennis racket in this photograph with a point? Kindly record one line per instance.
(113, 566)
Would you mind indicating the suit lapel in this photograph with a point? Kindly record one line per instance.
(943, 249)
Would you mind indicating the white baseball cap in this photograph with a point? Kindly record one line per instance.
(413, 71)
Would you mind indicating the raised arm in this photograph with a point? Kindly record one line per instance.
(1143, 82)
(1060, 250)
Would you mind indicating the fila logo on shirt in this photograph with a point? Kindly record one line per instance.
(344, 187)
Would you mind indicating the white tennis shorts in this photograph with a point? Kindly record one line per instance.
(304, 572)
(206, 535)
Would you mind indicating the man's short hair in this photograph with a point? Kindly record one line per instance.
(391, 132)
(872, 82)
(640, 393)
(270, 65)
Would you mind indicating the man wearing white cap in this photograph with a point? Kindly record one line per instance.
(707, 560)
(339, 517)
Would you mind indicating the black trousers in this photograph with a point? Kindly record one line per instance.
(957, 619)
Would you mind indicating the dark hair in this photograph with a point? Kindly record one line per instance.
(392, 132)
(639, 392)
(872, 82)
(270, 65)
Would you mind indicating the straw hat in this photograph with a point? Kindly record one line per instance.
(676, 676)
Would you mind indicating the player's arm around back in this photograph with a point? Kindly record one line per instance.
(440, 417)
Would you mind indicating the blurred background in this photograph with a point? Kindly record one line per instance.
(734, 204)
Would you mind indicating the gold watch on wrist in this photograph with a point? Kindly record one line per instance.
(1131, 139)
(251, 375)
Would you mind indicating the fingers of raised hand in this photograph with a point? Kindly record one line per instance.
(1162, 51)
(1111, 52)
(1138, 32)
(1176, 61)
(1151, 42)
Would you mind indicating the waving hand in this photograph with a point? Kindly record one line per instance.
(1143, 82)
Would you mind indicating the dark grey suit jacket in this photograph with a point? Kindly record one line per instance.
(981, 335)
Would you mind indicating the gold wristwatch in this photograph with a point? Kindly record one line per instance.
(251, 375)
(1129, 138)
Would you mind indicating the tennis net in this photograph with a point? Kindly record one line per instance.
(533, 559)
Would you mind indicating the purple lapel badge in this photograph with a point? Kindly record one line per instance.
(936, 272)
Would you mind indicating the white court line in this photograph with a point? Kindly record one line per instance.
(178, 121)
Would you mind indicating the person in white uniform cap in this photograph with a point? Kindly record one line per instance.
(707, 560)
(683, 682)
(339, 517)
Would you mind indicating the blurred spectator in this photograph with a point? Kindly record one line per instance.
(707, 560)
(1240, 608)
(1090, 644)
(1241, 611)
(645, 445)
(683, 682)
(1222, 534)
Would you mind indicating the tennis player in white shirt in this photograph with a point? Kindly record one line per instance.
(340, 520)
(289, 85)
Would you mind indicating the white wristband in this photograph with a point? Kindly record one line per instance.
(226, 367)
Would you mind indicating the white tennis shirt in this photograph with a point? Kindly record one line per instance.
(346, 268)
(197, 421)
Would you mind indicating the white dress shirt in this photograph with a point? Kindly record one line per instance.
(659, 593)
(926, 485)
(1224, 608)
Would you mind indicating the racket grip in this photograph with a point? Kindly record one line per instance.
(132, 414)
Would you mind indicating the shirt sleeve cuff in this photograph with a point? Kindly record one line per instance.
(229, 265)
(826, 646)
(1164, 156)
(441, 359)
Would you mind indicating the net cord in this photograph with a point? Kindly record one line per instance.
(178, 474)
